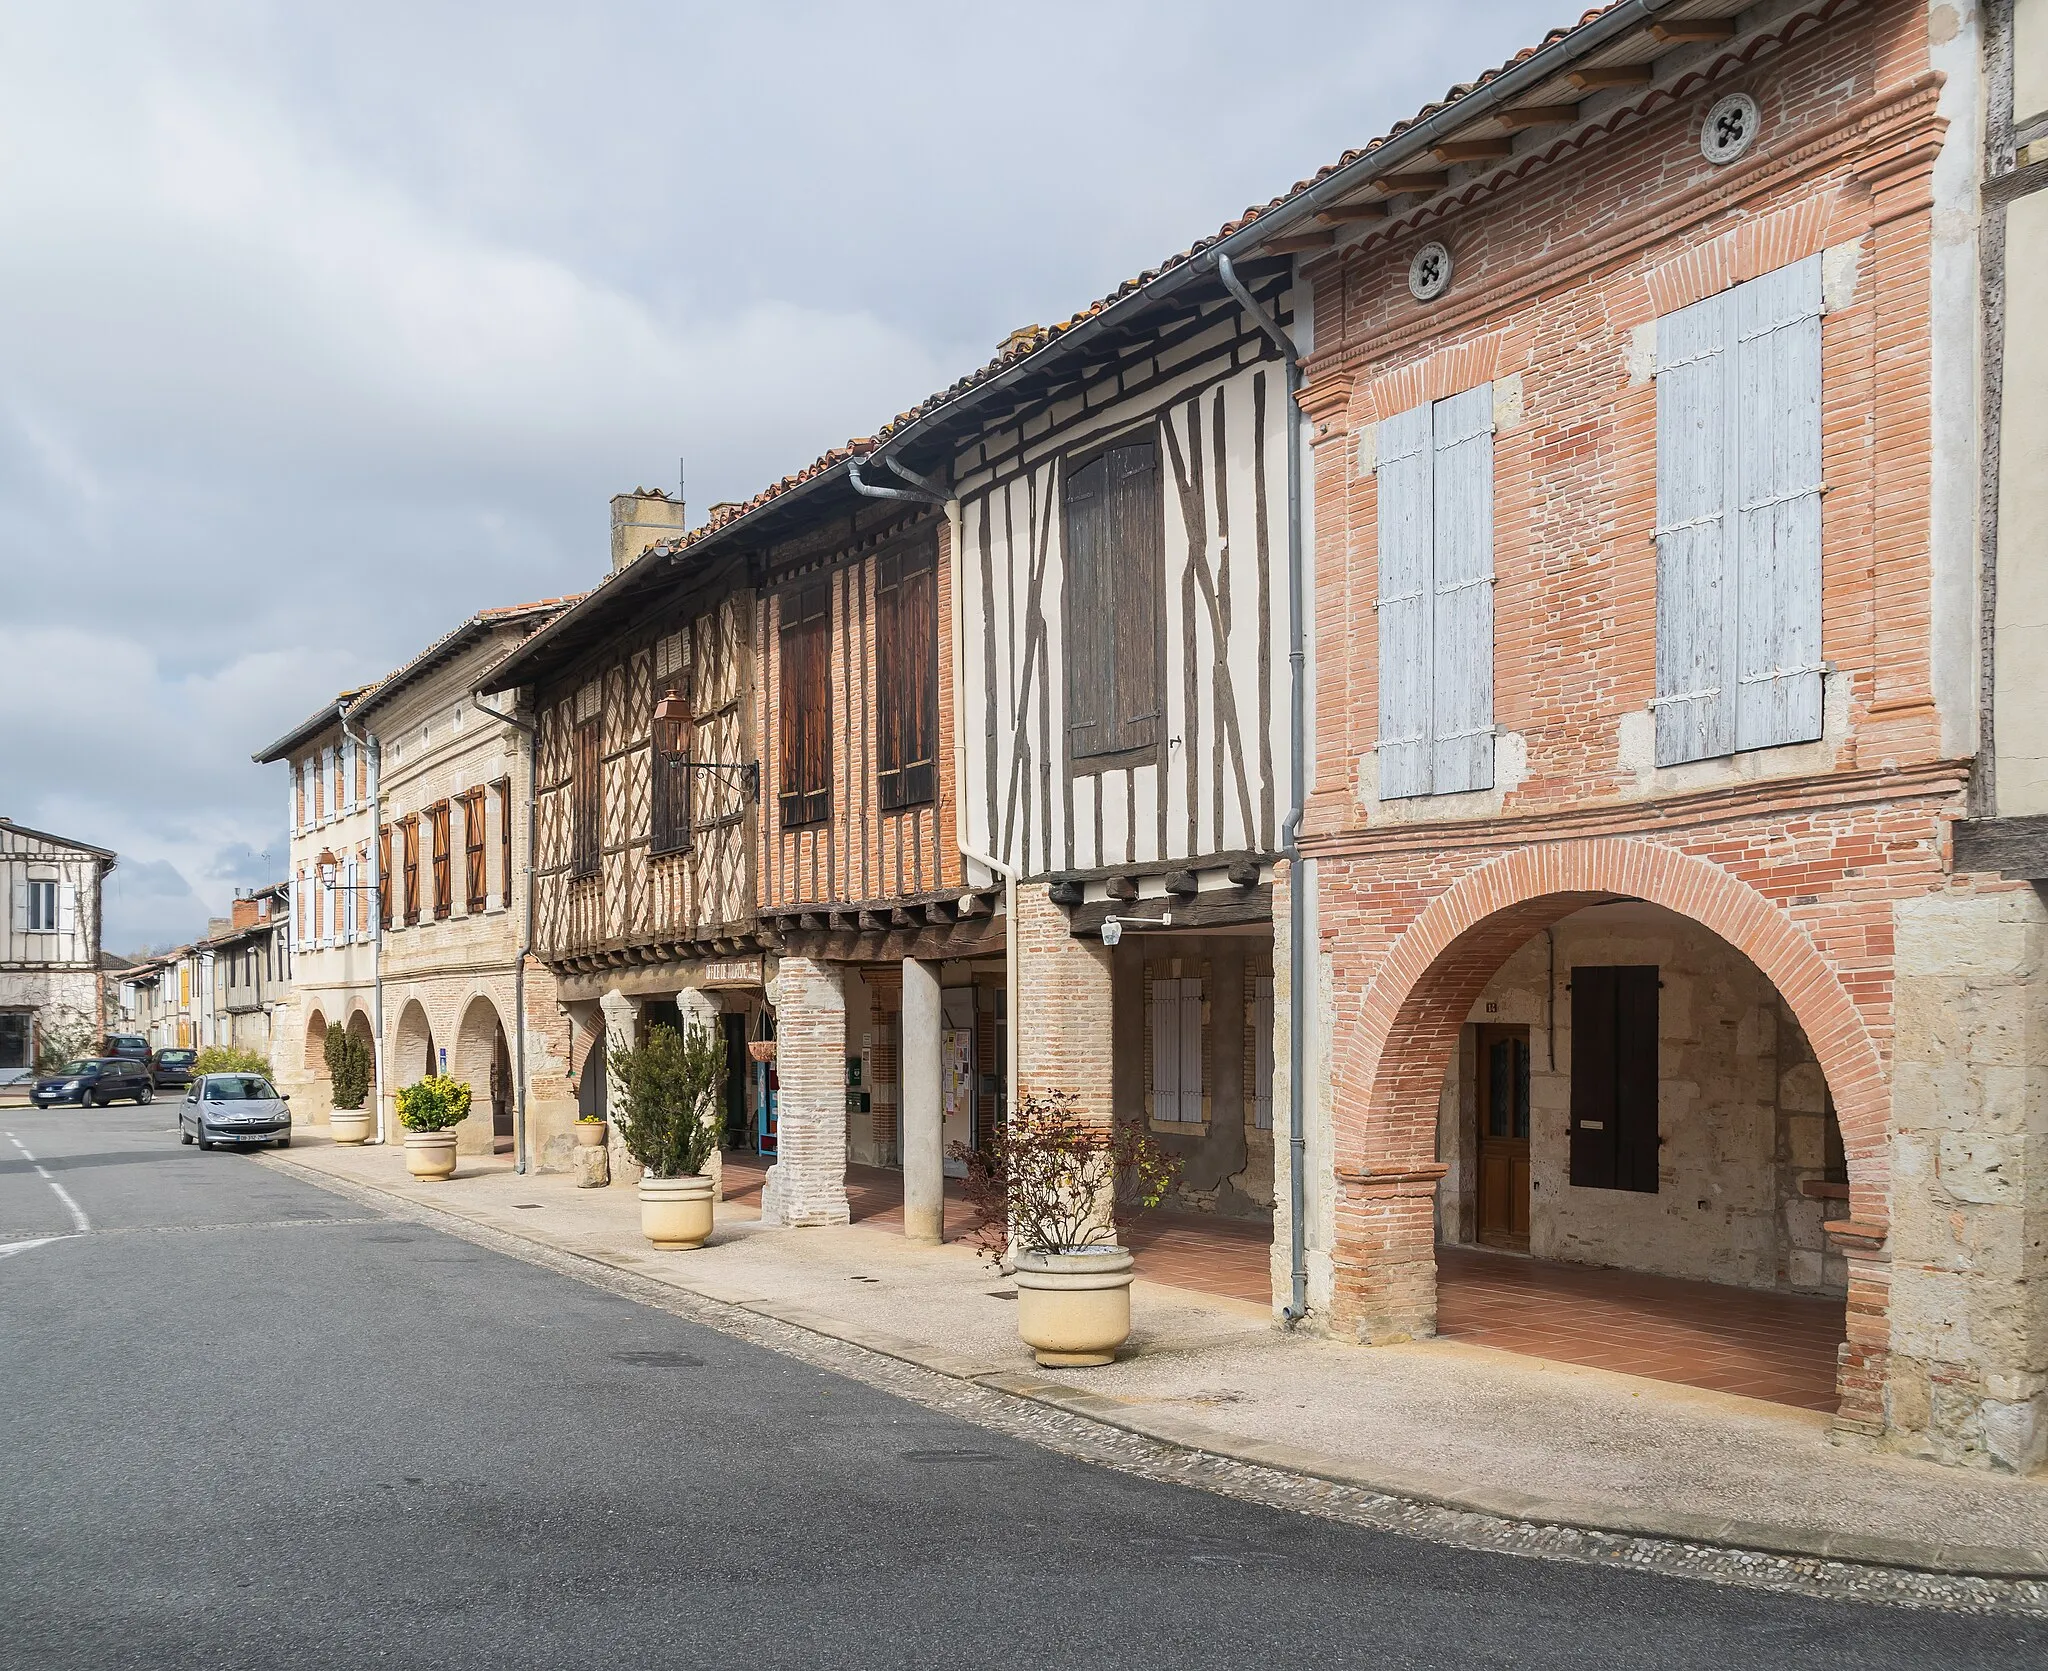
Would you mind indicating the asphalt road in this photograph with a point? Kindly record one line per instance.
(244, 1422)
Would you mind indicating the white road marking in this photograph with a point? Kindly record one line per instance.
(64, 1195)
(8, 1249)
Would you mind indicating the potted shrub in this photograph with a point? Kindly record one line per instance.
(348, 1068)
(1048, 1187)
(430, 1109)
(669, 1119)
(591, 1131)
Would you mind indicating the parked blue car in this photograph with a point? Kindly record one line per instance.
(94, 1080)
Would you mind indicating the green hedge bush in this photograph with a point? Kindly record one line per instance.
(231, 1058)
(434, 1103)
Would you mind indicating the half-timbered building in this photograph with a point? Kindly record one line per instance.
(49, 945)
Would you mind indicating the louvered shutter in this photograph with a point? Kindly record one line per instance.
(67, 908)
(1087, 618)
(1778, 475)
(1191, 1062)
(1461, 708)
(348, 877)
(1695, 580)
(1406, 512)
(1166, 1053)
(1262, 1052)
(345, 791)
(21, 907)
(1134, 567)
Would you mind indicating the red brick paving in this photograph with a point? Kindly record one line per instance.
(1777, 1347)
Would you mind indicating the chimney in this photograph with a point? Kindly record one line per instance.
(642, 518)
(217, 926)
(248, 912)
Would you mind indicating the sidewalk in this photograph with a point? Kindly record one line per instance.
(1465, 1426)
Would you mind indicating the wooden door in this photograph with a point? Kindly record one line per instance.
(1504, 1136)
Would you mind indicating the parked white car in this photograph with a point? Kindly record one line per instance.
(234, 1108)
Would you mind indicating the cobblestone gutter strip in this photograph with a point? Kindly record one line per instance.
(1093, 1428)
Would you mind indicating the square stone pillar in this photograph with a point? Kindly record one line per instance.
(621, 1032)
(921, 1106)
(699, 1009)
(807, 1183)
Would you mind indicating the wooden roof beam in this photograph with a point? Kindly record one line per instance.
(1300, 243)
(1349, 214)
(1427, 181)
(1538, 116)
(1473, 150)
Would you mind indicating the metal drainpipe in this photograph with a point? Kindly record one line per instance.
(1290, 831)
(367, 741)
(519, 1157)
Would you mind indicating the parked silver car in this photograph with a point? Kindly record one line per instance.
(234, 1108)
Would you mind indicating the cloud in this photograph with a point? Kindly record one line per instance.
(321, 328)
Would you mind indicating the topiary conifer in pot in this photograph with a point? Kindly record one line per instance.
(348, 1071)
(669, 1122)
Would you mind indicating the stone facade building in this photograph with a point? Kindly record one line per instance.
(49, 944)
(459, 995)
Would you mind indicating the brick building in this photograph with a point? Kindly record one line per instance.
(1645, 450)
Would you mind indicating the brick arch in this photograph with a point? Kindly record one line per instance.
(316, 1043)
(1433, 974)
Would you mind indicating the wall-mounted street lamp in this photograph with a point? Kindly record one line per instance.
(327, 867)
(674, 709)
(1113, 927)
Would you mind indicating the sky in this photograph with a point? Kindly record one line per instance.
(323, 326)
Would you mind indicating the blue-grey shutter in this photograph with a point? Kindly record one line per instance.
(1262, 1052)
(1777, 522)
(1695, 577)
(1406, 515)
(345, 796)
(1165, 1050)
(1462, 572)
(1191, 1063)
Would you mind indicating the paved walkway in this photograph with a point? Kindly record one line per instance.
(1444, 1421)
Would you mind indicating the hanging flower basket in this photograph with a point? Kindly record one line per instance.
(760, 1050)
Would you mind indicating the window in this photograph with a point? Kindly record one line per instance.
(907, 676)
(504, 788)
(1115, 565)
(477, 883)
(674, 808)
(409, 837)
(1435, 476)
(586, 785)
(383, 874)
(1174, 1023)
(806, 697)
(39, 914)
(1738, 518)
(1614, 1077)
(444, 889)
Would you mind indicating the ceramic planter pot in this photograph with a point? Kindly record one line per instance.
(1074, 1309)
(430, 1155)
(675, 1212)
(590, 1134)
(351, 1125)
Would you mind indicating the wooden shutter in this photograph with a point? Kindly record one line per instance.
(1136, 573)
(504, 788)
(67, 907)
(1192, 1064)
(1087, 635)
(1461, 741)
(1407, 643)
(383, 874)
(1262, 1052)
(345, 777)
(806, 701)
(1777, 507)
(1614, 1135)
(587, 798)
(907, 677)
(1166, 1051)
(348, 909)
(1738, 518)
(444, 881)
(409, 830)
(473, 835)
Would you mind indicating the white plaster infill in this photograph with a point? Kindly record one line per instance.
(1469, 1429)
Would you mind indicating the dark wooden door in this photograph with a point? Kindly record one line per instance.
(501, 1091)
(1504, 1136)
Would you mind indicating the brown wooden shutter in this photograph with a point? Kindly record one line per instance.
(587, 791)
(504, 788)
(409, 832)
(1137, 552)
(1087, 625)
(383, 875)
(444, 886)
(806, 699)
(473, 851)
(907, 677)
(1614, 1078)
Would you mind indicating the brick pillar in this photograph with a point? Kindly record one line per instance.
(1386, 1253)
(807, 1183)
(1062, 1013)
(1862, 1358)
(621, 1032)
(921, 1107)
(699, 1009)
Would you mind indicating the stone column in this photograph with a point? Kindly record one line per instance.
(807, 1183)
(621, 1032)
(699, 1009)
(921, 1106)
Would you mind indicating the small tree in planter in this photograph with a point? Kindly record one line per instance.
(1048, 1188)
(430, 1109)
(668, 1094)
(348, 1070)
